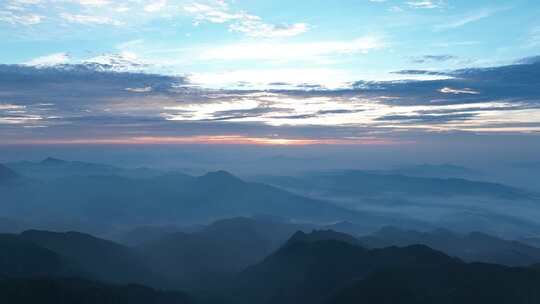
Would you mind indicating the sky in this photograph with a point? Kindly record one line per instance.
(293, 73)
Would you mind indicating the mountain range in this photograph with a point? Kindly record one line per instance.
(331, 271)
(368, 183)
(471, 247)
(243, 260)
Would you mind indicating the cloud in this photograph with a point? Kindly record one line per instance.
(217, 13)
(97, 3)
(139, 90)
(87, 103)
(242, 22)
(90, 19)
(7, 106)
(155, 6)
(330, 78)
(426, 4)
(16, 19)
(292, 51)
(432, 58)
(432, 119)
(122, 62)
(533, 39)
(50, 60)
(466, 19)
(259, 29)
(448, 90)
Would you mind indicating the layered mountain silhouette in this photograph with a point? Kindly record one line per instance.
(80, 291)
(331, 271)
(100, 259)
(365, 183)
(471, 247)
(438, 171)
(107, 201)
(216, 252)
(445, 283)
(51, 168)
(6, 174)
(23, 258)
(322, 235)
(310, 271)
(244, 260)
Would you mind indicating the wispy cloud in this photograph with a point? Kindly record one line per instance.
(20, 19)
(50, 60)
(242, 22)
(90, 19)
(255, 28)
(432, 58)
(448, 90)
(97, 3)
(426, 4)
(533, 38)
(466, 19)
(155, 6)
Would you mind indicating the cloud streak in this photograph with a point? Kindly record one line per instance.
(242, 22)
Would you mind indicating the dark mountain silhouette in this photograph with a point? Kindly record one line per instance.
(102, 259)
(189, 260)
(309, 272)
(472, 247)
(322, 235)
(445, 283)
(23, 258)
(51, 161)
(6, 174)
(216, 252)
(80, 291)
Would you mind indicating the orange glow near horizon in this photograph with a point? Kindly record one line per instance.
(208, 139)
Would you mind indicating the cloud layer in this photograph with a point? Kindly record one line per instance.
(85, 103)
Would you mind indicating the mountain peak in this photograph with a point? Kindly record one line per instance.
(52, 161)
(220, 176)
(322, 235)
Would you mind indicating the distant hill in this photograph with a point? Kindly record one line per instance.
(6, 174)
(472, 247)
(102, 259)
(367, 183)
(532, 241)
(322, 235)
(437, 171)
(51, 168)
(79, 291)
(23, 258)
(216, 252)
(107, 202)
